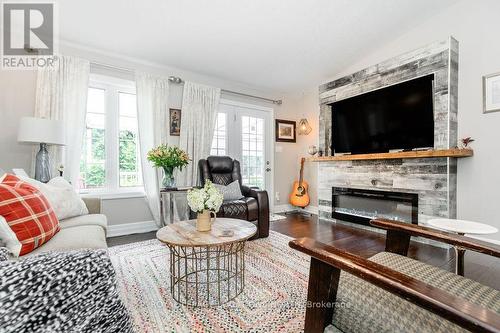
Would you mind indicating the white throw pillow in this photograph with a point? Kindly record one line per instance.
(8, 238)
(231, 191)
(61, 195)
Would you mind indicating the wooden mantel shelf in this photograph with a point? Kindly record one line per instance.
(455, 152)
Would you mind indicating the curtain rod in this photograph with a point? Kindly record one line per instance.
(178, 80)
(274, 101)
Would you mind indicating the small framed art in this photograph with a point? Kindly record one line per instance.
(285, 131)
(491, 93)
(175, 122)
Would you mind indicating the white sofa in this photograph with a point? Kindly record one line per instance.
(85, 231)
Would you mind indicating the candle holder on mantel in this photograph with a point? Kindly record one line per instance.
(312, 150)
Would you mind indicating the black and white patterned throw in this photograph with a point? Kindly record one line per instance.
(71, 291)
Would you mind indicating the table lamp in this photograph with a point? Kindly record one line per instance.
(45, 132)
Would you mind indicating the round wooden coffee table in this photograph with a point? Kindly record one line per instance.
(206, 268)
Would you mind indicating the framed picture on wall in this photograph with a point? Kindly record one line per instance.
(491, 93)
(285, 130)
(175, 122)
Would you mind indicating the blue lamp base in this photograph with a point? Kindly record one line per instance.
(42, 164)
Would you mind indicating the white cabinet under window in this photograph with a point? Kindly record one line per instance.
(243, 132)
(110, 154)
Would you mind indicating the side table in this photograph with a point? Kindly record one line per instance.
(461, 227)
(173, 205)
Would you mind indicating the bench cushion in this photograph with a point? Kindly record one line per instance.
(89, 219)
(363, 307)
(82, 237)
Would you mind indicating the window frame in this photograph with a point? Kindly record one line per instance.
(112, 87)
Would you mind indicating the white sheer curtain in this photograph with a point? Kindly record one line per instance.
(199, 112)
(61, 94)
(152, 109)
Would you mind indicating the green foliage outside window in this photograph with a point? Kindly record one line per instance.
(128, 151)
(92, 168)
(98, 150)
(95, 176)
(129, 164)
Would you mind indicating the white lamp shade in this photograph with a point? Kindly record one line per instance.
(38, 130)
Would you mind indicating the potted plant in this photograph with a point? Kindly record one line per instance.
(466, 142)
(168, 158)
(205, 201)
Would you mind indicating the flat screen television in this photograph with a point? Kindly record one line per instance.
(400, 116)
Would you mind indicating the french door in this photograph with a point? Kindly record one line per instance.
(243, 132)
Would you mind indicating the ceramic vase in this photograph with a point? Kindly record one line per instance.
(204, 220)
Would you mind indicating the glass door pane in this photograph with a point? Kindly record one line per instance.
(252, 151)
(243, 132)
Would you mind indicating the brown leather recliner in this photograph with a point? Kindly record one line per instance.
(254, 207)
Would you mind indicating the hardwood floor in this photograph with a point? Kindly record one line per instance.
(121, 240)
(478, 267)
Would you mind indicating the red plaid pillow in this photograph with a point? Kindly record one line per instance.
(28, 215)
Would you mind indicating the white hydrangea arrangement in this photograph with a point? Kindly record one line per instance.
(207, 197)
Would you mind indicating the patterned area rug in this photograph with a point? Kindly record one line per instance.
(273, 300)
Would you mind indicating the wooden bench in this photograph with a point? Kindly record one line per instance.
(330, 265)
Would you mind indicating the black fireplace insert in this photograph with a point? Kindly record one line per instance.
(360, 206)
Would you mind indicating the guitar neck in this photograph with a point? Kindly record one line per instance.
(301, 177)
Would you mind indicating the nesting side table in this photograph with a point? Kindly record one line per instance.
(173, 205)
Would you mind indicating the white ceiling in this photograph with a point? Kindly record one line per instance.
(280, 45)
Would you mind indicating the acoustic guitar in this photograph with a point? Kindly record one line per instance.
(300, 196)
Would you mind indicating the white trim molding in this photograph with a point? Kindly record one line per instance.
(131, 228)
(113, 195)
(288, 208)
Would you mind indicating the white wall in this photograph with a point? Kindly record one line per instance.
(17, 99)
(475, 25)
(288, 155)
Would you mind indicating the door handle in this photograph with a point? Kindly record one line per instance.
(268, 169)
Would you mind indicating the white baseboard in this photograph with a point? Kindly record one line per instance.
(131, 228)
(288, 208)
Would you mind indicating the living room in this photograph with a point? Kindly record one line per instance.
(249, 167)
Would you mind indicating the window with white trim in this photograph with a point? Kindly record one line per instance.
(110, 160)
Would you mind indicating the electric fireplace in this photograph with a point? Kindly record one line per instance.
(360, 206)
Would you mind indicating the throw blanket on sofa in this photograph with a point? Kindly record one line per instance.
(61, 292)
